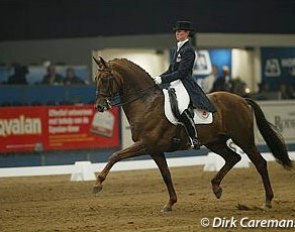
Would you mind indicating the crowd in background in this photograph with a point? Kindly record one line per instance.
(213, 83)
(52, 77)
(209, 84)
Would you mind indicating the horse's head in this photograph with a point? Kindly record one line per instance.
(107, 85)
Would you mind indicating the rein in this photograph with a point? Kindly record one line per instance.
(131, 98)
(137, 96)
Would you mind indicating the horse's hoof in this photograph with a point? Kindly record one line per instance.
(267, 206)
(97, 189)
(218, 192)
(166, 209)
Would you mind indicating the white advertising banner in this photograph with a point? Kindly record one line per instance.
(282, 115)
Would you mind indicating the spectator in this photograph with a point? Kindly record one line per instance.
(240, 88)
(222, 83)
(19, 75)
(52, 78)
(263, 91)
(286, 91)
(263, 87)
(208, 81)
(71, 78)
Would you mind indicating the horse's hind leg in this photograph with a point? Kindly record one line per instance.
(164, 169)
(230, 157)
(261, 166)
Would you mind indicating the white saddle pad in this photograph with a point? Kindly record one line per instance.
(200, 116)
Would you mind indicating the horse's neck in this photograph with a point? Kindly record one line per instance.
(137, 94)
(139, 109)
(134, 81)
(133, 87)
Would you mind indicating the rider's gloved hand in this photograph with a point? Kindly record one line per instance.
(158, 80)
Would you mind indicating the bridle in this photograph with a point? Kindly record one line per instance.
(110, 96)
(108, 93)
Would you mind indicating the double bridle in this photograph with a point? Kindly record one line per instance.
(110, 84)
(110, 96)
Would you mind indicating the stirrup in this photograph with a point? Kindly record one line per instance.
(195, 143)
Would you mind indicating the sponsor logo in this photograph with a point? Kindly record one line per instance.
(202, 64)
(20, 126)
(290, 64)
(272, 68)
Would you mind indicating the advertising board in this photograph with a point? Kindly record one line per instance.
(57, 128)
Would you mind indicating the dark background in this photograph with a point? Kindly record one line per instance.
(50, 19)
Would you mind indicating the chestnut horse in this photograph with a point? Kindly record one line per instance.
(152, 133)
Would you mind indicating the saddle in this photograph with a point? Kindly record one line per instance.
(177, 100)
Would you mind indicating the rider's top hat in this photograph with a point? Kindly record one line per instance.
(183, 25)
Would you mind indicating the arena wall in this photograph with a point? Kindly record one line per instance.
(78, 51)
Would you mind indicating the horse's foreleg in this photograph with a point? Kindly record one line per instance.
(134, 150)
(164, 169)
(230, 157)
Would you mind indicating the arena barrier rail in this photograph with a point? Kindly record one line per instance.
(84, 170)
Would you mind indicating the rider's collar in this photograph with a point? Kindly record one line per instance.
(180, 44)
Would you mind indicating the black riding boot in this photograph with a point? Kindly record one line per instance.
(187, 119)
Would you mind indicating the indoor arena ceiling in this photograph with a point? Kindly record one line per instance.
(51, 19)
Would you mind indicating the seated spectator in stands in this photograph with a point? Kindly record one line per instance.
(19, 75)
(71, 78)
(286, 91)
(240, 88)
(263, 87)
(291, 91)
(222, 83)
(52, 78)
(263, 91)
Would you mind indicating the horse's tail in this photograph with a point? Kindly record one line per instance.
(272, 136)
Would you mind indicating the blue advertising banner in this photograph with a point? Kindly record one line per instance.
(278, 66)
(207, 58)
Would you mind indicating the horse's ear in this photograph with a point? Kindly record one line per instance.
(102, 61)
(97, 61)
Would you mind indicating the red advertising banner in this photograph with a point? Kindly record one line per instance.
(57, 128)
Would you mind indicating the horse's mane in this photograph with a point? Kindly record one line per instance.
(130, 64)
